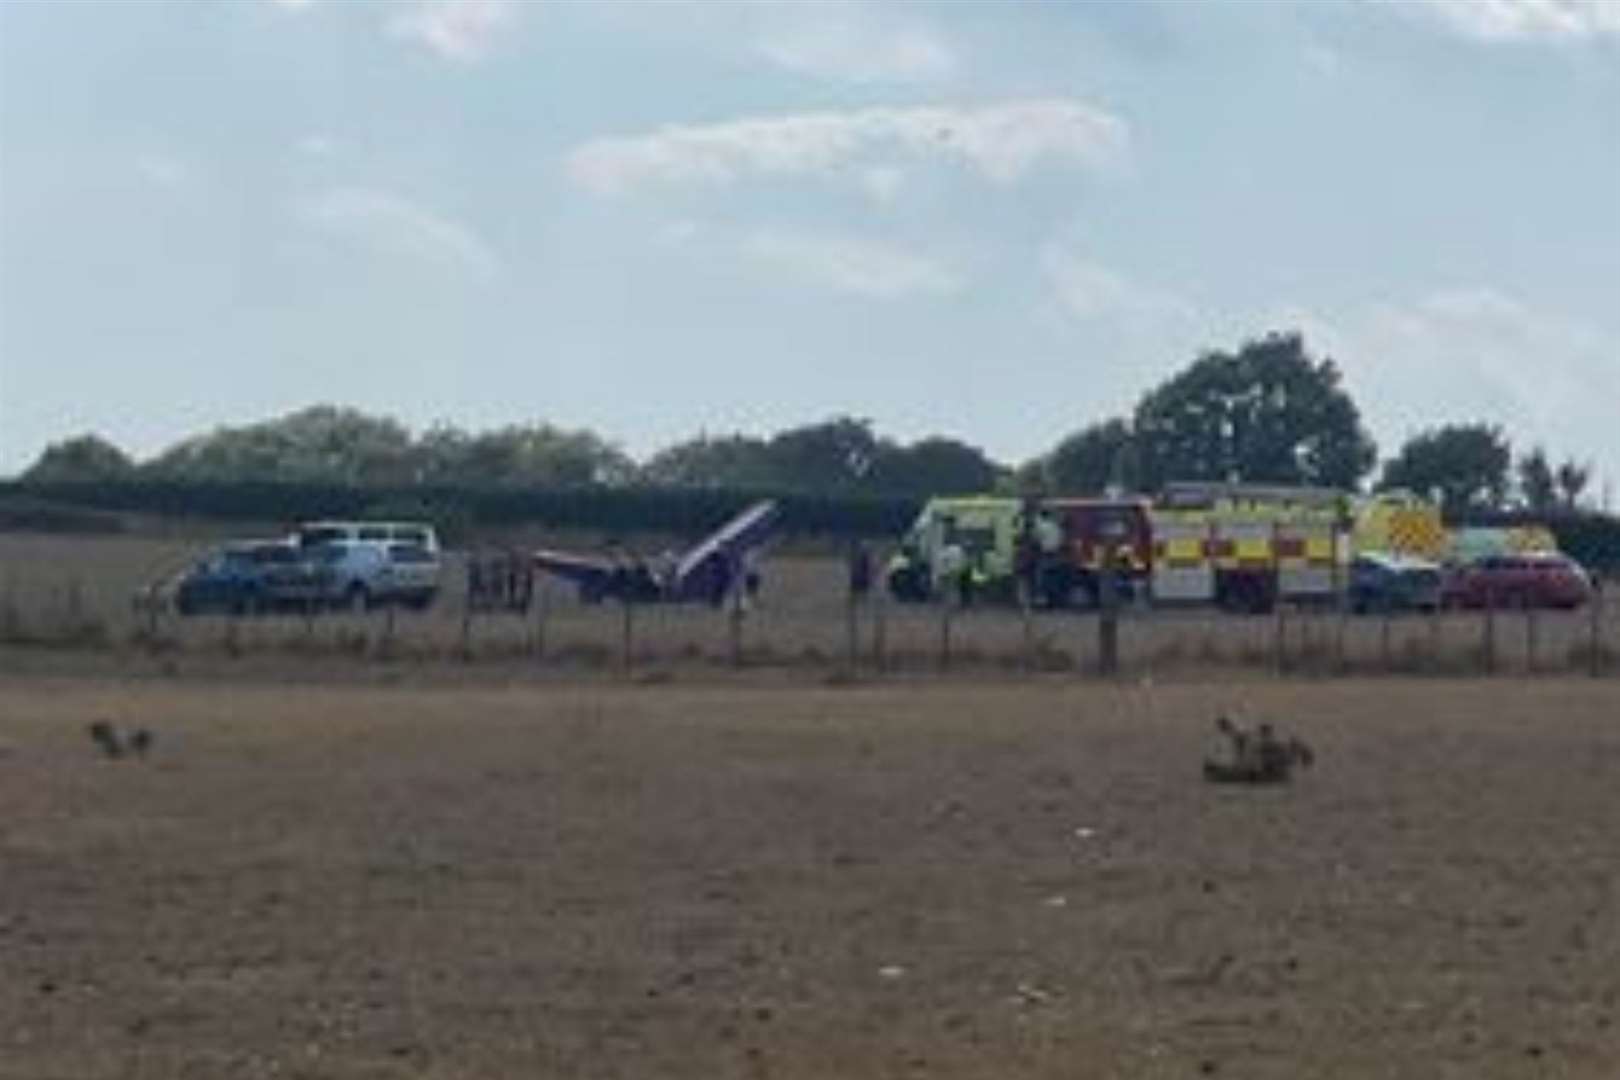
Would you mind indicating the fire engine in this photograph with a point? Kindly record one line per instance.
(1239, 546)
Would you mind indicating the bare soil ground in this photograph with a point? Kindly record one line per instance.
(947, 880)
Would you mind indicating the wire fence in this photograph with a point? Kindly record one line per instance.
(819, 627)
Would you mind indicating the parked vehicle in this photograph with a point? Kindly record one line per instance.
(314, 533)
(250, 577)
(1241, 547)
(1381, 581)
(360, 574)
(1541, 579)
(953, 537)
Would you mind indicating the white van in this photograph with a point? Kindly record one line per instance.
(366, 563)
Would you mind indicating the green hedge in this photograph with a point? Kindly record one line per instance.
(611, 510)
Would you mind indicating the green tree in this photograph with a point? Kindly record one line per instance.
(1572, 479)
(320, 444)
(1267, 413)
(536, 454)
(724, 461)
(1466, 464)
(1093, 458)
(834, 455)
(932, 466)
(1538, 486)
(83, 458)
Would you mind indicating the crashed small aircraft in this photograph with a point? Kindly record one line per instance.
(707, 572)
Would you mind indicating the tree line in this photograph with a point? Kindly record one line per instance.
(1267, 412)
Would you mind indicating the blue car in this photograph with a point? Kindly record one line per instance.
(1382, 582)
(248, 578)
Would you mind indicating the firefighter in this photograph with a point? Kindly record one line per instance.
(954, 572)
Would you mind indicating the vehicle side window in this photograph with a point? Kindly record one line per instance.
(373, 532)
(322, 535)
(330, 553)
(412, 536)
(409, 553)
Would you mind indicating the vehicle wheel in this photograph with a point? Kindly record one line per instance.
(184, 605)
(906, 584)
(357, 599)
(421, 602)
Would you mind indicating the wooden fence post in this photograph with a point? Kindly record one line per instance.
(852, 631)
(540, 604)
(1594, 658)
(1279, 637)
(1108, 619)
(1490, 632)
(1341, 628)
(1531, 635)
(880, 633)
(1026, 612)
(387, 648)
(734, 619)
(627, 633)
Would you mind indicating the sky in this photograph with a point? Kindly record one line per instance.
(995, 221)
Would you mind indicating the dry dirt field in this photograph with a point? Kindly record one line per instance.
(915, 879)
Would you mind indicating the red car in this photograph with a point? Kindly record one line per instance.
(1541, 579)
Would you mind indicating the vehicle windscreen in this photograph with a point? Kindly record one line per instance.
(972, 539)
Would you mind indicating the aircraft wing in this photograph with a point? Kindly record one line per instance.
(586, 571)
(708, 570)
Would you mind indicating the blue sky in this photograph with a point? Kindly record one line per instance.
(996, 221)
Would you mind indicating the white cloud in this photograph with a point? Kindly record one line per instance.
(396, 226)
(317, 145)
(882, 182)
(850, 264)
(1003, 142)
(1089, 290)
(460, 30)
(1524, 20)
(855, 42)
(293, 5)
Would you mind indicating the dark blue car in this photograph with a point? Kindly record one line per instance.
(247, 578)
(1386, 583)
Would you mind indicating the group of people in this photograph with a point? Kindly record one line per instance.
(502, 581)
